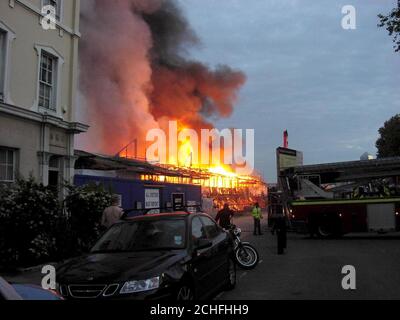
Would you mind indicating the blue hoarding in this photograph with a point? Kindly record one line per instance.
(143, 194)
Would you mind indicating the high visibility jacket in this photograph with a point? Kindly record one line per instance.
(256, 213)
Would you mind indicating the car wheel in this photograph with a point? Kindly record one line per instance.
(232, 275)
(185, 293)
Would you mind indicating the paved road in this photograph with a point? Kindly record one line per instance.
(311, 269)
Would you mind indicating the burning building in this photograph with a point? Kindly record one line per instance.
(131, 179)
(136, 75)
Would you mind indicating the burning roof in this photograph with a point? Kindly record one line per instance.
(239, 191)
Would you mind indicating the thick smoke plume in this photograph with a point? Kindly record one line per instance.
(136, 75)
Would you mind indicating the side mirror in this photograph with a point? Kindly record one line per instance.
(203, 244)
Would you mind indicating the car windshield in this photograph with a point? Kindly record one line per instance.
(143, 235)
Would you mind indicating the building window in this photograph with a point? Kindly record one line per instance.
(3, 37)
(47, 81)
(56, 4)
(7, 165)
(50, 64)
(54, 171)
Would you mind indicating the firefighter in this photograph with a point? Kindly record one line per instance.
(280, 228)
(257, 215)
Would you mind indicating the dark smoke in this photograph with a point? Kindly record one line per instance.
(171, 33)
(136, 73)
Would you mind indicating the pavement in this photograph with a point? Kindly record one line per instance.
(311, 268)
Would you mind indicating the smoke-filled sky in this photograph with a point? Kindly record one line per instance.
(136, 74)
(331, 88)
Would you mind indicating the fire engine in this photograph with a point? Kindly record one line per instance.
(333, 199)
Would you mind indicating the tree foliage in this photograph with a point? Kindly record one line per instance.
(29, 215)
(85, 206)
(388, 144)
(391, 22)
(36, 227)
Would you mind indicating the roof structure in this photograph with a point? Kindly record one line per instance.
(100, 162)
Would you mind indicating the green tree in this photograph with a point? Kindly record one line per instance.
(389, 142)
(391, 22)
(85, 206)
(29, 215)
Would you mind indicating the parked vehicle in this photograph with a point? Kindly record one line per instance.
(172, 256)
(25, 292)
(332, 199)
(246, 256)
(333, 218)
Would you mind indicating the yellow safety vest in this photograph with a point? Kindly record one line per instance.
(256, 213)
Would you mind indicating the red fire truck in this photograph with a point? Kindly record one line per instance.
(337, 198)
(327, 218)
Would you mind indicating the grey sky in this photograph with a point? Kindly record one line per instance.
(331, 88)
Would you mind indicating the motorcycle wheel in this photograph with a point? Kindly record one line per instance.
(247, 257)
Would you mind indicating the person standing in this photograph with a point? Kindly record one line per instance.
(224, 217)
(257, 215)
(112, 214)
(280, 227)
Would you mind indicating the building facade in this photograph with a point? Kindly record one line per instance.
(38, 90)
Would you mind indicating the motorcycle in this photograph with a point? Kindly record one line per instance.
(246, 255)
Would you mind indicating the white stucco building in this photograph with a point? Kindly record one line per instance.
(38, 88)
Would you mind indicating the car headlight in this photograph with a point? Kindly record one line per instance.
(140, 285)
